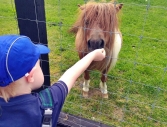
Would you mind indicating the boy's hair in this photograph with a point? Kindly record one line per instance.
(18, 55)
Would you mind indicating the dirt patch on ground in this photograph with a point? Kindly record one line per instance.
(118, 113)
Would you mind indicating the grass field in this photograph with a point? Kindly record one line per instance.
(137, 85)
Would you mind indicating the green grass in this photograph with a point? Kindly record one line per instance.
(137, 85)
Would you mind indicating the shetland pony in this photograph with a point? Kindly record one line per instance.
(95, 28)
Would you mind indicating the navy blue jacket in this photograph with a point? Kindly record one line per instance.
(26, 111)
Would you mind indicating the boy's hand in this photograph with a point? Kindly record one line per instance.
(99, 54)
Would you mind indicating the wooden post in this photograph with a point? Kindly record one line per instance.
(32, 23)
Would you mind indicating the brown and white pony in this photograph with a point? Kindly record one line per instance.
(95, 28)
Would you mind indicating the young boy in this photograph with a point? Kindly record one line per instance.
(20, 73)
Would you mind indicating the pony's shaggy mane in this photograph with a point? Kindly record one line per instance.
(103, 13)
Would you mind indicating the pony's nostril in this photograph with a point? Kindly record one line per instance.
(89, 45)
(101, 44)
(92, 44)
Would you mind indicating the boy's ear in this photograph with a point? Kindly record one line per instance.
(30, 76)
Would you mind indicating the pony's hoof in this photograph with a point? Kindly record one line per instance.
(105, 96)
(85, 94)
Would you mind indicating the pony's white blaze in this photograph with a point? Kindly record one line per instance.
(116, 49)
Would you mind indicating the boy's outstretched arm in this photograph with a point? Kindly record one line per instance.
(71, 75)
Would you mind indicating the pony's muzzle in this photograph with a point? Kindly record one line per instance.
(95, 44)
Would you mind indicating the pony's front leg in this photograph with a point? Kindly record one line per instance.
(86, 84)
(103, 86)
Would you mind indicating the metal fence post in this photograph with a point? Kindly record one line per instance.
(32, 23)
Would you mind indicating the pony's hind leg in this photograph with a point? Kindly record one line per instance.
(103, 86)
(86, 84)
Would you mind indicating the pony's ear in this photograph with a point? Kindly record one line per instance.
(81, 7)
(119, 7)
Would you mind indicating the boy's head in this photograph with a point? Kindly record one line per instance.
(18, 55)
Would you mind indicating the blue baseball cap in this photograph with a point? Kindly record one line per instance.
(18, 55)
